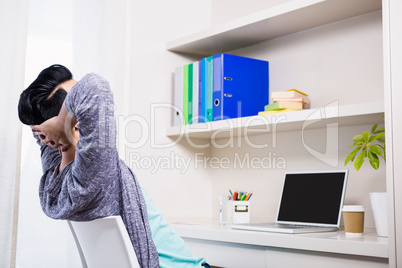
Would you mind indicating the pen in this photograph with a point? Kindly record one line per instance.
(249, 196)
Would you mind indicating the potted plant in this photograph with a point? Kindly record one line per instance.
(371, 145)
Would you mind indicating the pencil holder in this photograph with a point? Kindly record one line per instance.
(241, 212)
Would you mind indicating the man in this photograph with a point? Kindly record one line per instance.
(84, 178)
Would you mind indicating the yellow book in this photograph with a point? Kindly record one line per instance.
(278, 111)
(291, 93)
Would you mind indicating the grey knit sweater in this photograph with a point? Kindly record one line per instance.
(97, 183)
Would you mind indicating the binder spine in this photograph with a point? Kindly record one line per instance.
(190, 94)
(200, 92)
(185, 95)
(217, 88)
(203, 87)
(195, 92)
(178, 97)
(209, 95)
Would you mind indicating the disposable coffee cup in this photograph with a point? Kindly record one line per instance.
(353, 219)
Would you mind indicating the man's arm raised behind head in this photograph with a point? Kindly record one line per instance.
(81, 185)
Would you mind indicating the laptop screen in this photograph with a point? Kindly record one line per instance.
(313, 197)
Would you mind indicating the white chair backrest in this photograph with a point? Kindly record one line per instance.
(104, 243)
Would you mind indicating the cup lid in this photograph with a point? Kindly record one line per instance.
(353, 208)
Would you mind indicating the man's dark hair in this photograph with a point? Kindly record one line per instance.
(40, 101)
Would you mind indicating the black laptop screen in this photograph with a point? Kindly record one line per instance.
(312, 198)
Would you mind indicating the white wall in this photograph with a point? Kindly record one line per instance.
(226, 10)
(336, 62)
(178, 194)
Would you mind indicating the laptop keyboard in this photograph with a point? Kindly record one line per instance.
(285, 226)
(292, 226)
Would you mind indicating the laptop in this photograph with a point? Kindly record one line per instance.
(311, 201)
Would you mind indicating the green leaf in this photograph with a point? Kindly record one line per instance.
(380, 130)
(375, 149)
(381, 139)
(356, 144)
(373, 159)
(373, 128)
(378, 136)
(358, 138)
(352, 155)
(370, 155)
(366, 136)
(360, 160)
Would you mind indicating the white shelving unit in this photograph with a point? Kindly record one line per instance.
(290, 17)
(348, 115)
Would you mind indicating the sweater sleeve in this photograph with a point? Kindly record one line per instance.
(81, 185)
(50, 157)
(91, 102)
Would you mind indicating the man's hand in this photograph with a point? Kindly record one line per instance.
(52, 132)
(57, 131)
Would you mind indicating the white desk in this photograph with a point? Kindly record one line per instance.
(225, 247)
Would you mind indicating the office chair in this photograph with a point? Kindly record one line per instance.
(103, 243)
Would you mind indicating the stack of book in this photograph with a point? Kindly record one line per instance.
(286, 101)
(220, 87)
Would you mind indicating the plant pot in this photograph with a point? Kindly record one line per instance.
(380, 209)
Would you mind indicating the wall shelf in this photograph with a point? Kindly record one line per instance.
(332, 242)
(287, 18)
(347, 115)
